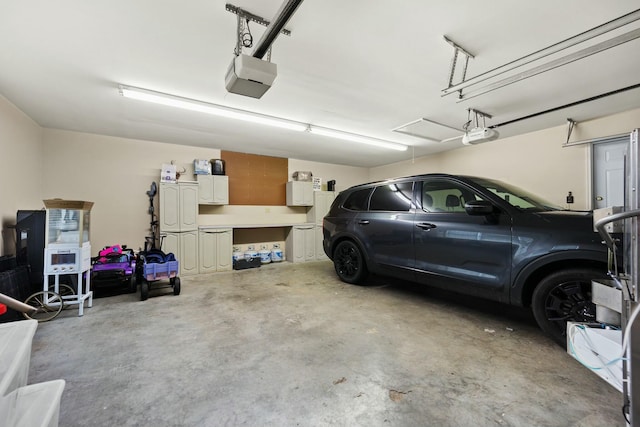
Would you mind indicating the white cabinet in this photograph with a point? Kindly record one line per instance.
(184, 246)
(213, 189)
(299, 193)
(322, 201)
(178, 221)
(215, 250)
(300, 244)
(178, 206)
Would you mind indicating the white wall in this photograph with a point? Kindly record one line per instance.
(20, 169)
(536, 161)
(345, 176)
(115, 174)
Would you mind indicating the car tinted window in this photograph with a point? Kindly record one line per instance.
(517, 197)
(392, 197)
(357, 201)
(445, 196)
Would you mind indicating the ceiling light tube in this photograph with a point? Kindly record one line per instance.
(207, 108)
(356, 138)
(233, 113)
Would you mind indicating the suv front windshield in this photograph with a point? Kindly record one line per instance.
(517, 197)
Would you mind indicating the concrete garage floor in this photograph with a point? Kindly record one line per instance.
(291, 345)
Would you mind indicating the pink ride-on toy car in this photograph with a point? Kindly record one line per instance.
(115, 265)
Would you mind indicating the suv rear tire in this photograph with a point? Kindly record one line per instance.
(561, 297)
(349, 263)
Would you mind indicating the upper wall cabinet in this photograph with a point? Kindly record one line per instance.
(322, 201)
(299, 193)
(178, 206)
(213, 189)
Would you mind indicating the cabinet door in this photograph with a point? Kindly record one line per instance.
(214, 250)
(205, 189)
(307, 194)
(224, 250)
(294, 245)
(169, 200)
(220, 190)
(188, 253)
(309, 243)
(207, 251)
(320, 255)
(213, 189)
(188, 207)
(299, 193)
(170, 243)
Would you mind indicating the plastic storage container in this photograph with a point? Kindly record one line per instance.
(35, 405)
(15, 353)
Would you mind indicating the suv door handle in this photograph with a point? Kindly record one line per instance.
(363, 222)
(425, 225)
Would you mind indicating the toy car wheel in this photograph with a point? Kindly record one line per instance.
(47, 305)
(144, 290)
(64, 291)
(176, 286)
(133, 283)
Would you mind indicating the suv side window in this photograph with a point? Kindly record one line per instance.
(445, 196)
(392, 197)
(358, 200)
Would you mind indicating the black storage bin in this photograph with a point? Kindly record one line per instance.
(217, 167)
(7, 262)
(243, 264)
(15, 284)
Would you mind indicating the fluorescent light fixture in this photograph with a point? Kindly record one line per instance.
(356, 138)
(204, 107)
(233, 113)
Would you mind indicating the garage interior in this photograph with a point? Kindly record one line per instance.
(399, 87)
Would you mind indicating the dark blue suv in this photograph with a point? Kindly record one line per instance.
(470, 235)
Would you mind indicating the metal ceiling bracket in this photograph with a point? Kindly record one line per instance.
(575, 56)
(570, 125)
(457, 49)
(251, 17)
(477, 116)
(513, 66)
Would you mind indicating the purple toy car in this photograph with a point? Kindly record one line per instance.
(115, 265)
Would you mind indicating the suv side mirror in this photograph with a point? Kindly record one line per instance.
(479, 207)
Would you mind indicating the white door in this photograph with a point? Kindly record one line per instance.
(608, 173)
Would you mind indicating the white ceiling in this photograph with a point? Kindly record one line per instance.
(360, 66)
